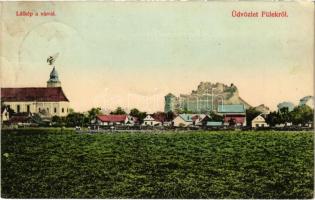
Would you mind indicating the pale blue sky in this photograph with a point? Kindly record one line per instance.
(111, 51)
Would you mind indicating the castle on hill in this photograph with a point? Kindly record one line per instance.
(205, 99)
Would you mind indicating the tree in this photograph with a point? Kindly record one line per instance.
(75, 119)
(284, 115)
(118, 111)
(136, 113)
(170, 115)
(93, 113)
(251, 113)
(58, 121)
(301, 115)
(71, 110)
(273, 118)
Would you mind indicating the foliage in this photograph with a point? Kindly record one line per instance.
(136, 113)
(58, 121)
(251, 113)
(118, 111)
(93, 113)
(57, 163)
(170, 116)
(75, 119)
(301, 115)
(273, 118)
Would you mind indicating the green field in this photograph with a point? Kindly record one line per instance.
(53, 164)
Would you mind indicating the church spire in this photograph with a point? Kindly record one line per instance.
(53, 79)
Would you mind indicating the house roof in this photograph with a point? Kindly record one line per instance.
(214, 123)
(259, 116)
(161, 117)
(3, 108)
(20, 119)
(187, 117)
(233, 108)
(112, 118)
(192, 117)
(45, 94)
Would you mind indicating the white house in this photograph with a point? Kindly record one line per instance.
(107, 120)
(4, 114)
(259, 121)
(188, 120)
(149, 120)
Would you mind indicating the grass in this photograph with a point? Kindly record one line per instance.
(49, 163)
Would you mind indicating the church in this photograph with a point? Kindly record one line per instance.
(47, 101)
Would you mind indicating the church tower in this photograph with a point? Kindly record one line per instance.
(53, 79)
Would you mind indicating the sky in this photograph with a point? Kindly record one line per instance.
(131, 54)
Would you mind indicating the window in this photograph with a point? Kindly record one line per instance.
(18, 108)
(151, 123)
(38, 109)
(62, 110)
(48, 110)
(55, 110)
(28, 108)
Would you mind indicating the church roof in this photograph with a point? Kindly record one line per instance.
(46, 94)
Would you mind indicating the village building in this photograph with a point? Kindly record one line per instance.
(4, 114)
(234, 114)
(112, 120)
(307, 100)
(184, 120)
(263, 109)
(48, 101)
(150, 121)
(259, 121)
(213, 124)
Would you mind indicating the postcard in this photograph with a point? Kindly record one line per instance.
(157, 99)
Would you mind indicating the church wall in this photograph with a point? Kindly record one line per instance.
(52, 108)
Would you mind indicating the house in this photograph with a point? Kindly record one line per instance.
(50, 100)
(153, 120)
(233, 114)
(259, 121)
(5, 116)
(200, 119)
(184, 120)
(263, 109)
(214, 124)
(21, 119)
(112, 120)
(307, 100)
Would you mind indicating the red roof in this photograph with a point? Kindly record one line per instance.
(112, 118)
(161, 117)
(20, 119)
(33, 94)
